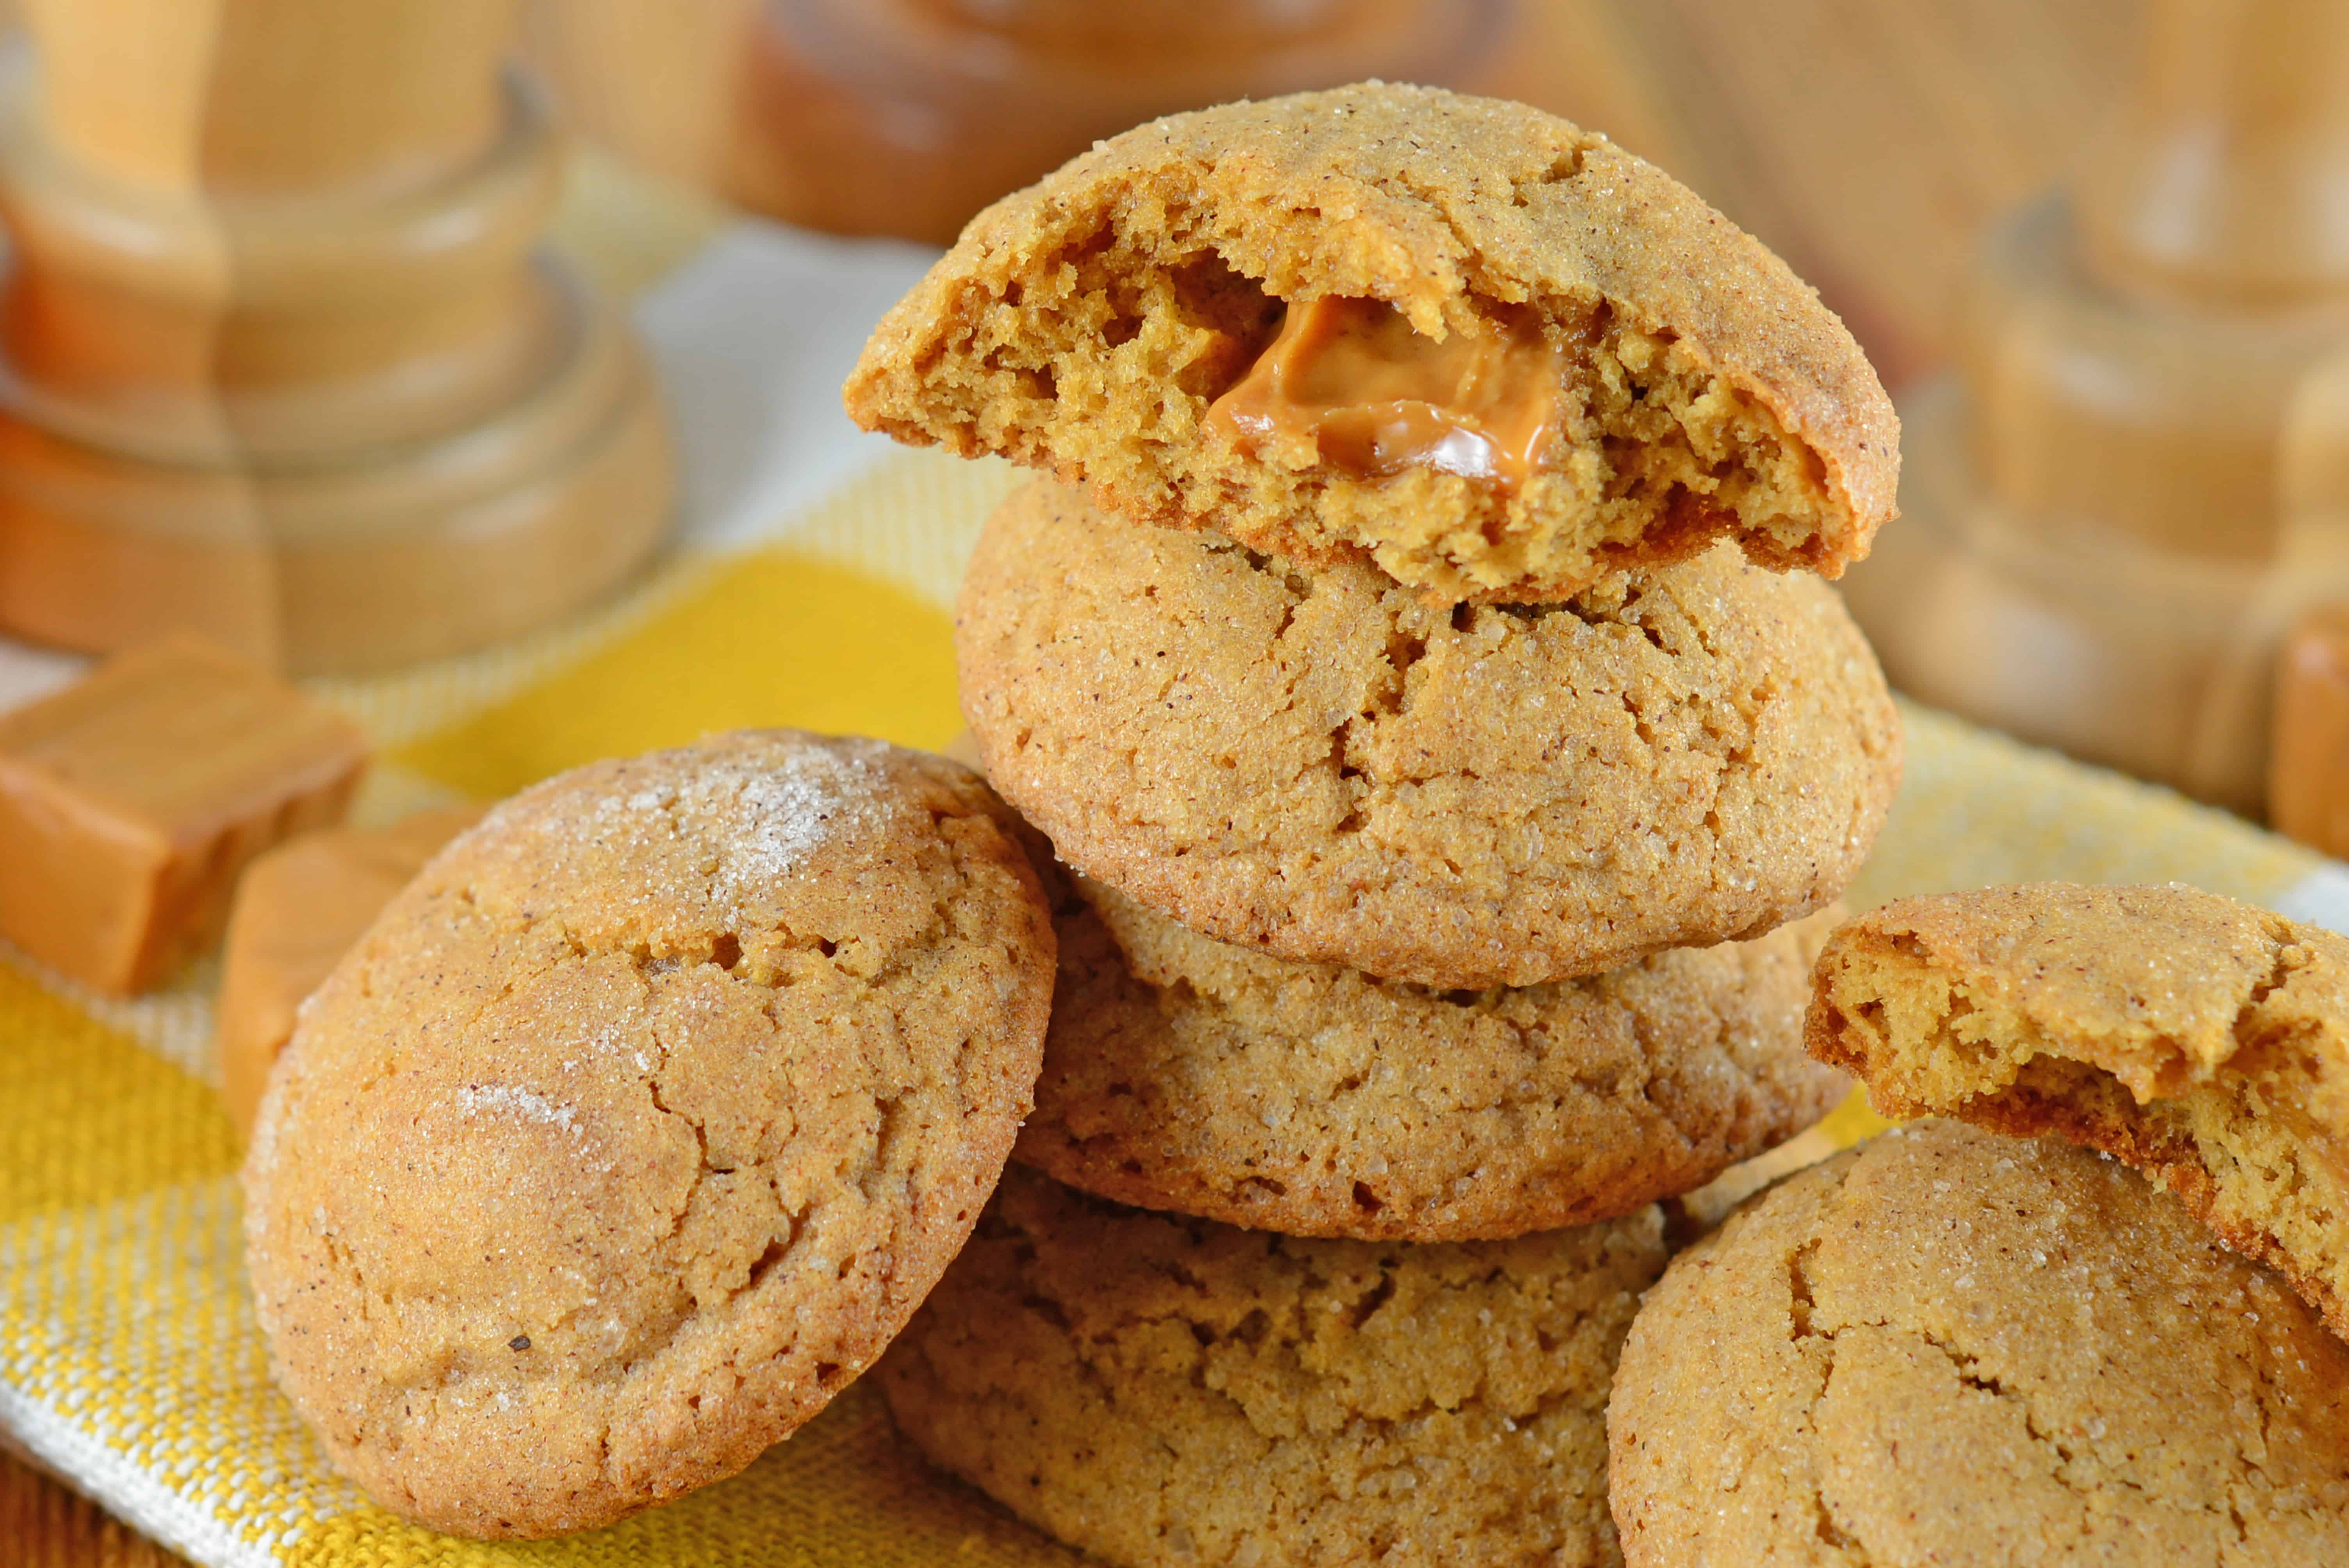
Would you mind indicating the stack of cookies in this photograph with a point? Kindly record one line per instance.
(1420, 664)
(1448, 761)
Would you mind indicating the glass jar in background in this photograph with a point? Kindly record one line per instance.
(907, 117)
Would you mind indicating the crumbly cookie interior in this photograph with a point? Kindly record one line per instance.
(1101, 361)
(2240, 1147)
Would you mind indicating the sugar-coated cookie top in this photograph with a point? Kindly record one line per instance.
(1325, 766)
(1088, 323)
(1950, 1346)
(641, 1121)
(1182, 1073)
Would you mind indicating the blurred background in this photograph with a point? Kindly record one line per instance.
(1868, 141)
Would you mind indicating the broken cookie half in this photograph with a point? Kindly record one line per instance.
(2199, 1039)
(1489, 350)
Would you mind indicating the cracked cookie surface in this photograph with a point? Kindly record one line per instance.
(1326, 769)
(1949, 1347)
(1187, 1074)
(1162, 1390)
(1088, 325)
(2202, 1041)
(639, 1123)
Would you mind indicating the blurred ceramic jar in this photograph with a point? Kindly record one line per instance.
(907, 117)
(2138, 475)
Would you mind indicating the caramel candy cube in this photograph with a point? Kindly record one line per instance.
(131, 800)
(299, 908)
(2308, 765)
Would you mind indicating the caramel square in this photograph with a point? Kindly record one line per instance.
(131, 800)
(299, 908)
(2308, 765)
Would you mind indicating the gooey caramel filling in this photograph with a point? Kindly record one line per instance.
(1352, 383)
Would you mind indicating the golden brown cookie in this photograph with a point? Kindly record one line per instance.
(638, 1123)
(1166, 1391)
(1326, 768)
(1187, 1074)
(1662, 379)
(2202, 1041)
(1947, 1346)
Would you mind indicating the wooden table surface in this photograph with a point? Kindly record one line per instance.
(44, 1526)
(1866, 140)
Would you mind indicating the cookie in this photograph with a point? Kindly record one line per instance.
(1326, 768)
(1187, 1074)
(1163, 1391)
(2202, 1041)
(635, 1125)
(1947, 1346)
(1462, 338)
